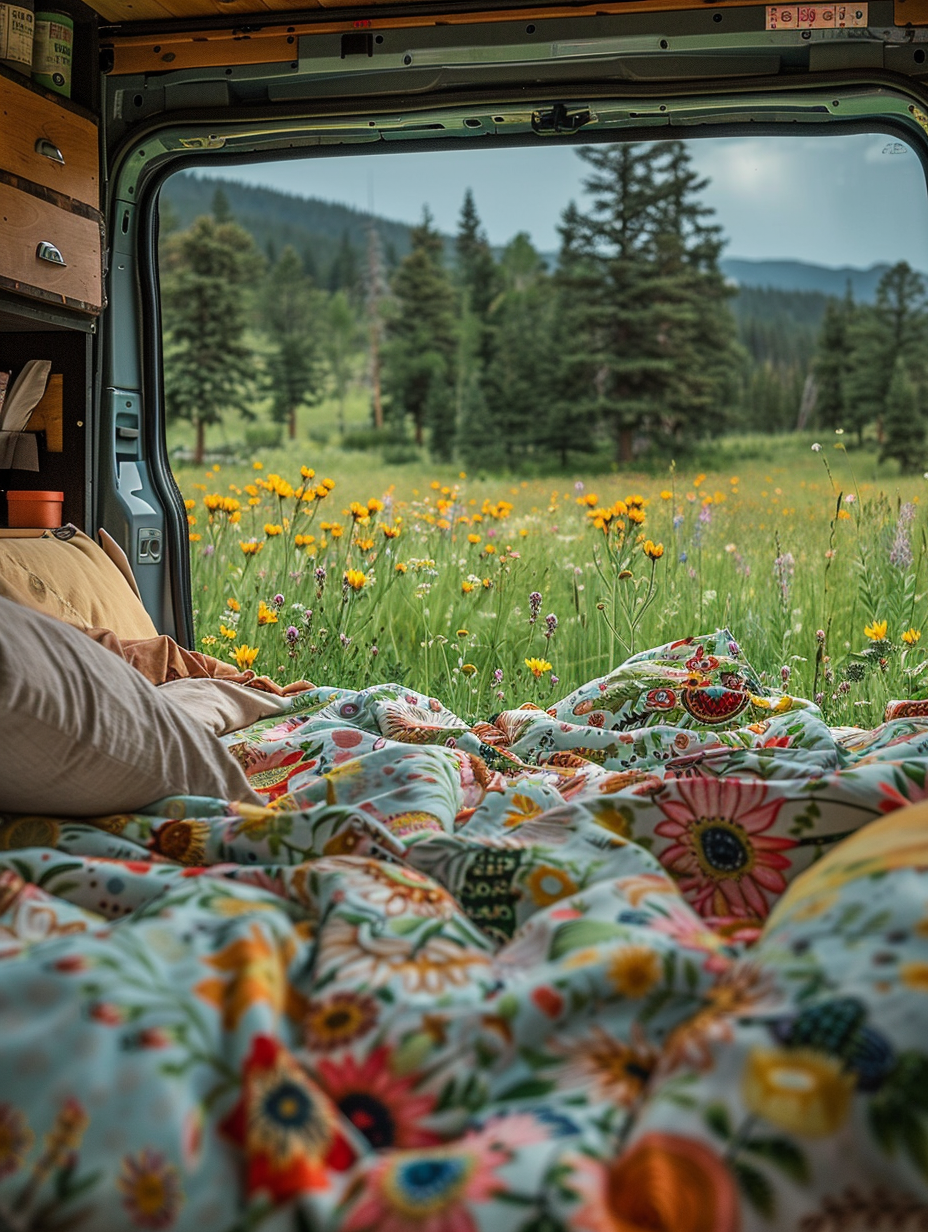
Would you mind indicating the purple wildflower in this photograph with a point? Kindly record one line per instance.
(550, 625)
(534, 606)
(783, 569)
(900, 554)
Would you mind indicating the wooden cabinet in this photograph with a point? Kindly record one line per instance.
(51, 230)
(44, 143)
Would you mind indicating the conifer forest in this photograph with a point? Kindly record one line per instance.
(628, 346)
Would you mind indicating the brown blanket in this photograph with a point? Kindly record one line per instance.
(161, 659)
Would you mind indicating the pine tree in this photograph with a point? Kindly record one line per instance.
(421, 342)
(344, 271)
(341, 338)
(293, 316)
(375, 292)
(904, 421)
(518, 378)
(830, 364)
(208, 365)
(573, 413)
(476, 270)
(894, 328)
(222, 211)
(646, 300)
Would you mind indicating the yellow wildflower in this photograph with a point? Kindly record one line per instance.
(653, 551)
(666, 494)
(336, 531)
(401, 566)
(190, 504)
(844, 515)
(463, 633)
(266, 615)
(876, 631)
(489, 550)
(212, 501)
(194, 536)
(208, 640)
(233, 605)
(244, 656)
(374, 505)
(355, 579)
(473, 538)
(307, 472)
(635, 514)
(358, 511)
(589, 499)
(227, 632)
(538, 667)
(468, 669)
(328, 484)
(466, 587)
(258, 466)
(911, 636)
(250, 548)
(389, 532)
(364, 545)
(273, 528)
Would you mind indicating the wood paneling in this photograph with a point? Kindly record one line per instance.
(122, 11)
(27, 118)
(25, 221)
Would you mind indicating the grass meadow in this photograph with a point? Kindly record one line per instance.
(489, 592)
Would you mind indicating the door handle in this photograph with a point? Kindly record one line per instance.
(48, 252)
(49, 150)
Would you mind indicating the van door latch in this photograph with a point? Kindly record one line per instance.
(560, 120)
(149, 546)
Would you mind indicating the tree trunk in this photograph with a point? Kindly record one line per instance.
(291, 425)
(200, 445)
(625, 445)
(375, 377)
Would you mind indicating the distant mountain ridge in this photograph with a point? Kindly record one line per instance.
(276, 219)
(804, 276)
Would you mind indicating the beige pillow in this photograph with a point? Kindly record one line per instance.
(74, 580)
(220, 705)
(83, 734)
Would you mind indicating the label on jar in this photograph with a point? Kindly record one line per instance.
(17, 25)
(51, 56)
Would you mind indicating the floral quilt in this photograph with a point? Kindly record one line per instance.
(652, 960)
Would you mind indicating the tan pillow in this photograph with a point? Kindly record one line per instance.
(83, 734)
(220, 705)
(73, 580)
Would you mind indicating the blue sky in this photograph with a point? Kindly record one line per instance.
(844, 200)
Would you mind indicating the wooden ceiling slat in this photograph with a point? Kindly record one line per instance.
(127, 11)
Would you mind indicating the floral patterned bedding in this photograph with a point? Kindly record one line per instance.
(552, 971)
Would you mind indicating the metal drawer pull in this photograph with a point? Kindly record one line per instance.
(49, 150)
(48, 252)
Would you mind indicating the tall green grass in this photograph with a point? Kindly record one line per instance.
(771, 545)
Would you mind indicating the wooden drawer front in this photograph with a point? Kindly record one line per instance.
(28, 119)
(26, 221)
